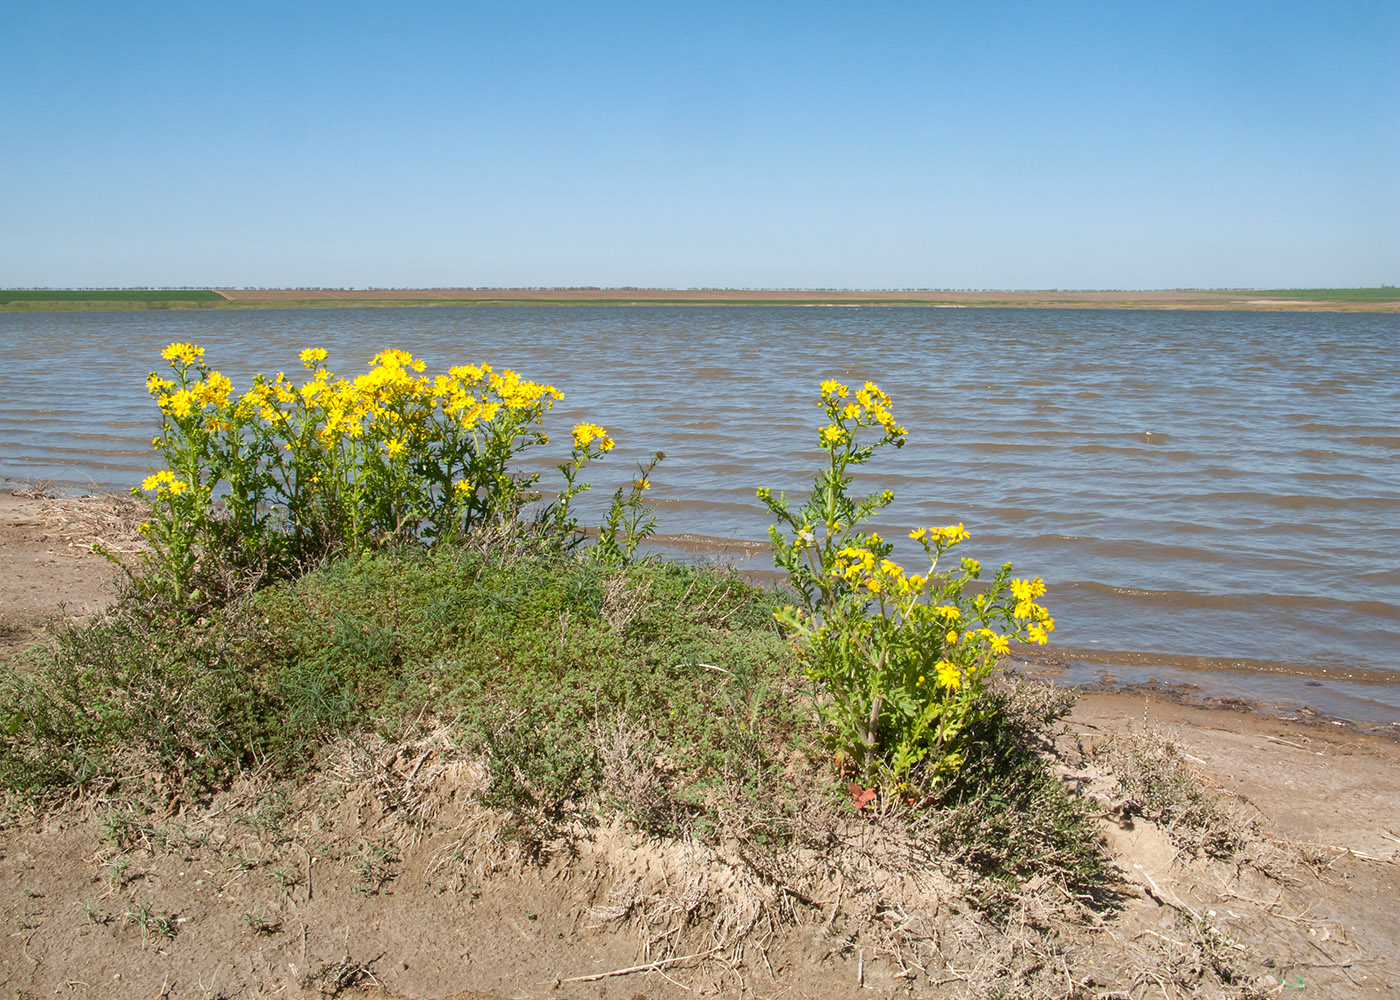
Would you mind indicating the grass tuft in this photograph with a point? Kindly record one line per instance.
(662, 695)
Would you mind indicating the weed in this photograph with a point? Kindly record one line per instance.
(333, 978)
(245, 862)
(274, 810)
(374, 868)
(124, 829)
(121, 694)
(1007, 816)
(259, 924)
(334, 465)
(116, 871)
(1156, 780)
(899, 659)
(287, 878)
(210, 992)
(151, 921)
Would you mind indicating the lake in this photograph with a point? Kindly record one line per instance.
(1213, 498)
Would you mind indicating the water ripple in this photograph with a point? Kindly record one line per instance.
(1201, 484)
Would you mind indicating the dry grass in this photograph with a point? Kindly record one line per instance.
(108, 521)
(1152, 777)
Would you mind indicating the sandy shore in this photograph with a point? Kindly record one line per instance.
(1329, 787)
(50, 568)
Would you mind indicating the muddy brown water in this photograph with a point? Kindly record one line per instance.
(1212, 497)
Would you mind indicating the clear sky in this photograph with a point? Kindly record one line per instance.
(863, 145)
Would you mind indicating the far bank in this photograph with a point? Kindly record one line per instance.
(1383, 299)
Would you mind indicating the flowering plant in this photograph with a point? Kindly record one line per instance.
(899, 659)
(629, 520)
(331, 464)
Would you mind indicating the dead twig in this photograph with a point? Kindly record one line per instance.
(649, 967)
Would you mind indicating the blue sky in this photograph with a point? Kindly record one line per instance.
(875, 145)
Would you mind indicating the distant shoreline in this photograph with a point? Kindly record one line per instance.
(1369, 300)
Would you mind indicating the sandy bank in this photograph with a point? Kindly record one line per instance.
(1038, 299)
(302, 890)
(327, 298)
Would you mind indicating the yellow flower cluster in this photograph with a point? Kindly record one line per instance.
(943, 538)
(870, 408)
(586, 434)
(877, 407)
(185, 354)
(858, 566)
(267, 398)
(165, 483)
(393, 394)
(211, 391)
(1025, 592)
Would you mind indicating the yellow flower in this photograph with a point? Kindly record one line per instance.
(586, 434)
(948, 611)
(951, 534)
(213, 391)
(313, 356)
(999, 643)
(948, 675)
(832, 436)
(1027, 590)
(186, 354)
(644, 484)
(179, 403)
(165, 482)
